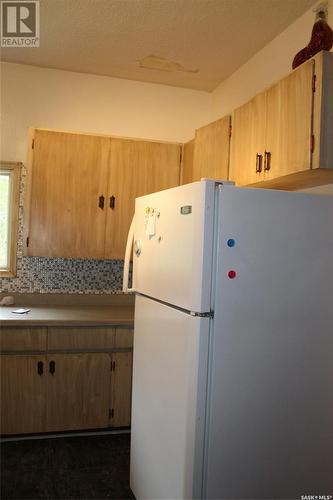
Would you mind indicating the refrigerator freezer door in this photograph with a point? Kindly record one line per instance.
(173, 239)
(168, 402)
(271, 399)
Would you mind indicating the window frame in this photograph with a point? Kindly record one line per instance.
(14, 169)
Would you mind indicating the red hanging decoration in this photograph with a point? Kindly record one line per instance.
(321, 38)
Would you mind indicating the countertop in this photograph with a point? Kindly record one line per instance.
(71, 315)
(118, 312)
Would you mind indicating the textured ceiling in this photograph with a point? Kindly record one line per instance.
(186, 43)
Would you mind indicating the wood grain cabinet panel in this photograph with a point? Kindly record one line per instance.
(81, 191)
(22, 339)
(188, 162)
(290, 126)
(23, 394)
(272, 132)
(289, 123)
(65, 390)
(68, 178)
(124, 338)
(211, 150)
(136, 168)
(248, 141)
(121, 389)
(77, 391)
(80, 338)
(207, 155)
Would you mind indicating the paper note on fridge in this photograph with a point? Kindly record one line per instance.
(150, 222)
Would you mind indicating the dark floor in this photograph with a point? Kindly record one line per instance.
(91, 467)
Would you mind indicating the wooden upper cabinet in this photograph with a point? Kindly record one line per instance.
(68, 179)
(81, 191)
(248, 141)
(272, 132)
(290, 126)
(211, 150)
(136, 168)
(207, 155)
(188, 160)
(289, 123)
(322, 158)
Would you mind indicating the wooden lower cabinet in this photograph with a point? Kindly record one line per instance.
(80, 338)
(121, 389)
(22, 339)
(77, 391)
(23, 394)
(69, 389)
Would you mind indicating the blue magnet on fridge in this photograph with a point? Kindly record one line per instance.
(231, 242)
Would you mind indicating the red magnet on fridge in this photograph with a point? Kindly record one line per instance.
(231, 274)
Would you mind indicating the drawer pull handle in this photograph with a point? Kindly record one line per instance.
(40, 368)
(101, 202)
(112, 202)
(267, 164)
(52, 367)
(258, 163)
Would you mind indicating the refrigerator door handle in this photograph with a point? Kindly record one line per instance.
(127, 259)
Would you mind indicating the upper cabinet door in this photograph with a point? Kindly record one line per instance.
(274, 134)
(188, 160)
(248, 141)
(136, 168)
(289, 123)
(211, 150)
(68, 182)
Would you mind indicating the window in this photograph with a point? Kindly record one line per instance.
(9, 203)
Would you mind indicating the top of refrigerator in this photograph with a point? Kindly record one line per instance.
(177, 231)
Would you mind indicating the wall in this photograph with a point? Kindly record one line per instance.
(48, 98)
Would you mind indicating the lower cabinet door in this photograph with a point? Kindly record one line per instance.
(121, 389)
(23, 392)
(78, 391)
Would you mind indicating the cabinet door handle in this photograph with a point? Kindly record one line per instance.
(52, 367)
(258, 163)
(40, 368)
(112, 202)
(267, 163)
(101, 202)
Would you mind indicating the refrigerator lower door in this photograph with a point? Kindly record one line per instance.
(168, 403)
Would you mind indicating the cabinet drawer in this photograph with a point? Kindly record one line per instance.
(80, 338)
(124, 338)
(22, 339)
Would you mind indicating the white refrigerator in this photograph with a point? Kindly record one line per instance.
(233, 344)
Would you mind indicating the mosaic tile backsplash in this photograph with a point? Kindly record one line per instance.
(45, 275)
